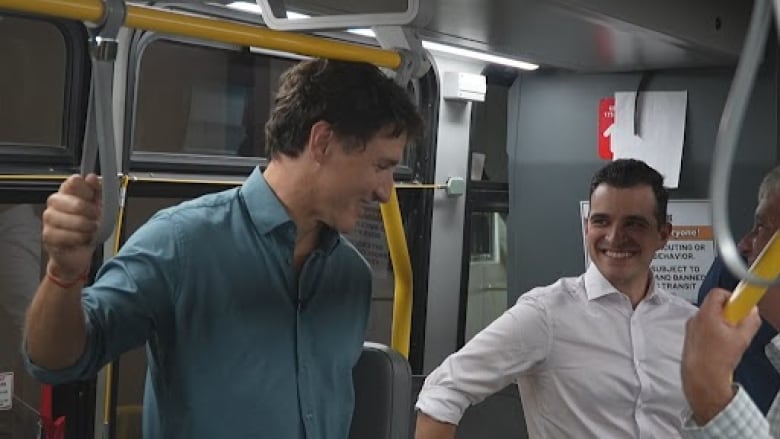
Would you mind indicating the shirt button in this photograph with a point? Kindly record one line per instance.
(309, 416)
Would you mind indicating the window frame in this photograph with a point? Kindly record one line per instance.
(481, 197)
(146, 161)
(50, 159)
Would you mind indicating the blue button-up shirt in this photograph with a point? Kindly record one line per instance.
(239, 344)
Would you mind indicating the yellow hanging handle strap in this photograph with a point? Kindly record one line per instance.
(746, 295)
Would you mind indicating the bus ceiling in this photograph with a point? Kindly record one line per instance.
(581, 35)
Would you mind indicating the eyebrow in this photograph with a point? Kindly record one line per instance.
(597, 215)
(388, 162)
(639, 218)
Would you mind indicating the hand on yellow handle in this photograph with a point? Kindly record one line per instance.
(746, 295)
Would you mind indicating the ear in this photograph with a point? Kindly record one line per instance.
(665, 230)
(320, 137)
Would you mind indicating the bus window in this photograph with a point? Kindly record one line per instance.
(201, 100)
(485, 238)
(21, 262)
(33, 54)
(487, 290)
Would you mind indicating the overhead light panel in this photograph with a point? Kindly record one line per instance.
(254, 8)
(473, 54)
(466, 53)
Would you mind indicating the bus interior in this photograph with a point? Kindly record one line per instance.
(489, 196)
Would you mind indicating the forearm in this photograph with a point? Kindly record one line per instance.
(55, 328)
(429, 428)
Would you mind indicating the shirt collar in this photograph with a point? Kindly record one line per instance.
(268, 214)
(596, 286)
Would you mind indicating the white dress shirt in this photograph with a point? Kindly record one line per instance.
(586, 363)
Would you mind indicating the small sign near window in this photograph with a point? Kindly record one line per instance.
(6, 390)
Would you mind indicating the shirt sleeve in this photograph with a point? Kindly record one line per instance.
(511, 345)
(739, 419)
(133, 292)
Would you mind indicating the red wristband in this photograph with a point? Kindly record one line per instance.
(65, 284)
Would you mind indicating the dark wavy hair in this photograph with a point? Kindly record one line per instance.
(628, 173)
(356, 98)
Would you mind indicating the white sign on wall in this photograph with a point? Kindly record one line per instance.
(679, 267)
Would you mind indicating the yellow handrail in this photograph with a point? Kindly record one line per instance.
(402, 272)
(209, 28)
(746, 295)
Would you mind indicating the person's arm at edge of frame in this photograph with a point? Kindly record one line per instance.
(55, 327)
(711, 352)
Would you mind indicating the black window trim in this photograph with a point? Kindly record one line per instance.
(50, 159)
(145, 161)
(481, 197)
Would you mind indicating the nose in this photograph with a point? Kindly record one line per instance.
(382, 192)
(616, 234)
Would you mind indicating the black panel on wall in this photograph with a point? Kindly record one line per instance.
(552, 157)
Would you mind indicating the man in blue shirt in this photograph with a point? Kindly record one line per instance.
(252, 305)
(755, 372)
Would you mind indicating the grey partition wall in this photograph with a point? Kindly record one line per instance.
(552, 157)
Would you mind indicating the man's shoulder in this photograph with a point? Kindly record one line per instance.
(556, 293)
(204, 211)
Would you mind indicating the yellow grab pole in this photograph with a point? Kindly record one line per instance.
(402, 274)
(746, 295)
(208, 28)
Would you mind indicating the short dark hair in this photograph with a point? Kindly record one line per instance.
(628, 173)
(356, 98)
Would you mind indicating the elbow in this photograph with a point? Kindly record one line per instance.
(429, 428)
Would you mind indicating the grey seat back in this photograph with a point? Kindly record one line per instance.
(383, 394)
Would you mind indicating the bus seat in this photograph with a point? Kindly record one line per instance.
(383, 394)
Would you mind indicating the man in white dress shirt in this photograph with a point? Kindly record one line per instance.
(596, 356)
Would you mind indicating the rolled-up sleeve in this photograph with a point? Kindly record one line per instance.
(514, 343)
(133, 292)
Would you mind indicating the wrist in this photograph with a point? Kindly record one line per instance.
(65, 279)
(708, 403)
